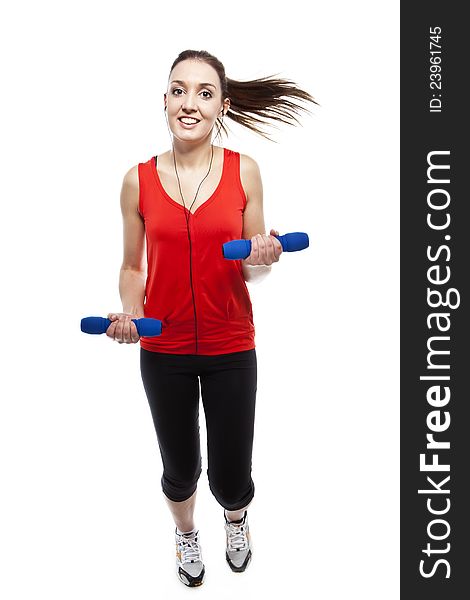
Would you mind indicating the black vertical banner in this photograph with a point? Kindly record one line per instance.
(434, 306)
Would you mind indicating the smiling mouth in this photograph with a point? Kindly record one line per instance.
(188, 120)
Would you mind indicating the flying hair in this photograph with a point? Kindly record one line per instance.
(257, 102)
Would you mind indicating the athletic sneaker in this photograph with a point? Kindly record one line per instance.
(189, 566)
(238, 552)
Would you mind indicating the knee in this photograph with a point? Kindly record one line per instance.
(180, 487)
(230, 493)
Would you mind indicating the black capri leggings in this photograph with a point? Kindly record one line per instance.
(228, 390)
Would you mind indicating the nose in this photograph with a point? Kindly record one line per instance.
(189, 102)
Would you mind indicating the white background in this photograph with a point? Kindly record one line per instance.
(81, 509)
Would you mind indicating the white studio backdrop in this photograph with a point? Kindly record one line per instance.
(82, 514)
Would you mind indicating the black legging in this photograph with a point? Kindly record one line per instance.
(228, 390)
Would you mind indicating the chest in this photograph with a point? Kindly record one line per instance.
(191, 190)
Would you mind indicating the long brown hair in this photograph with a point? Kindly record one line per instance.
(256, 102)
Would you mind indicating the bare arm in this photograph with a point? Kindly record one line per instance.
(134, 267)
(264, 249)
(133, 273)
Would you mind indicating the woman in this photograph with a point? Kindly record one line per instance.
(185, 203)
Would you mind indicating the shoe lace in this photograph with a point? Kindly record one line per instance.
(237, 538)
(189, 549)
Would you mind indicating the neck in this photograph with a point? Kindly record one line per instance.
(191, 157)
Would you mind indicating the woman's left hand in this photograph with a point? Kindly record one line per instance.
(265, 249)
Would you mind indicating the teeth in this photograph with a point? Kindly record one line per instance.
(188, 121)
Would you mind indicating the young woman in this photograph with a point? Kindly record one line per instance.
(186, 203)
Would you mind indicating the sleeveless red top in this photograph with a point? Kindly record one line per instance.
(205, 306)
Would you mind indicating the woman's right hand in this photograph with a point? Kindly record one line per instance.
(122, 329)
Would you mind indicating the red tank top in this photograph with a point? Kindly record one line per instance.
(205, 306)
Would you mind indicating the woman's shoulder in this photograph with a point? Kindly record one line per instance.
(250, 176)
(130, 190)
(249, 168)
(131, 177)
(248, 165)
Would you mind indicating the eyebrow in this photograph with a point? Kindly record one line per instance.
(200, 85)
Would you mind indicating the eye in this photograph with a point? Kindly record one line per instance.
(176, 90)
(209, 94)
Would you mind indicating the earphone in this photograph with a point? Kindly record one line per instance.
(189, 212)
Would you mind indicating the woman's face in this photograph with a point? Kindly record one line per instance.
(194, 95)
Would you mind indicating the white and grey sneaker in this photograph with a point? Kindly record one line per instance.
(189, 565)
(238, 552)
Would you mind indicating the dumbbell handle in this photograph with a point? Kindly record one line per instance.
(290, 242)
(145, 327)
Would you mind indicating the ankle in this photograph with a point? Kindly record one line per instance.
(234, 515)
(185, 528)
